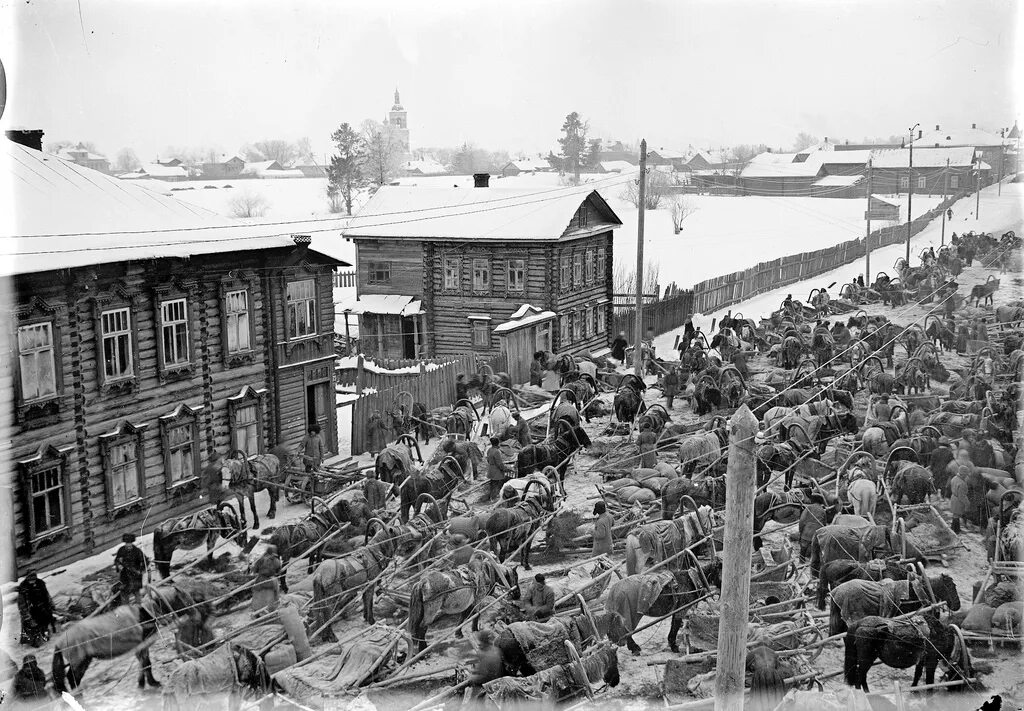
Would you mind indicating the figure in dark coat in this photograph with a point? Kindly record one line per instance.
(619, 347)
(940, 458)
(36, 609)
(30, 681)
(461, 388)
(131, 564)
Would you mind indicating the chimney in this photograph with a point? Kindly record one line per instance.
(481, 180)
(903, 142)
(28, 137)
(936, 127)
(974, 125)
(920, 133)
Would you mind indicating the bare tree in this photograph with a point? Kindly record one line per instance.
(804, 140)
(625, 278)
(248, 204)
(273, 149)
(126, 161)
(656, 189)
(681, 208)
(383, 151)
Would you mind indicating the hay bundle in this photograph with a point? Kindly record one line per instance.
(561, 530)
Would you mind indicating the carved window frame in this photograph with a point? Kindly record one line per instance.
(124, 433)
(565, 270)
(40, 411)
(247, 396)
(293, 277)
(117, 297)
(231, 282)
(456, 258)
(476, 321)
(564, 332)
(379, 267)
(46, 457)
(173, 291)
(509, 269)
(588, 266)
(486, 263)
(181, 416)
(577, 269)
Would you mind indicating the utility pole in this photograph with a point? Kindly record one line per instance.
(910, 189)
(945, 193)
(739, 534)
(977, 201)
(867, 235)
(639, 329)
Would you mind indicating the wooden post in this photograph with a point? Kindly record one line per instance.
(638, 327)
(867, 235)
(359, 374)
(739, 532)
(945, 196)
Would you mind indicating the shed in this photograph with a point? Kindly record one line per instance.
(525, 333)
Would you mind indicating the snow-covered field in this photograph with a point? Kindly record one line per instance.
(291, 199)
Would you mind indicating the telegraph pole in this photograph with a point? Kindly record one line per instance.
(910, 188)
(867, 235)
(977, 202)
(639, 329)
(945, 193)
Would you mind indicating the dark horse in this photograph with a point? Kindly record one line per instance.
(707, 492)
(518, 639)
(189, 532)
(439, 482)
(510, 528)
(678, 593)
(785, 508)
(244, 476)
(901, 644)
(117, 632)
(629, 398)
(552, 453)
(856, 599)
(838, 572)
(292, 539)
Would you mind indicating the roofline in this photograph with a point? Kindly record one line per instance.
(589, 232)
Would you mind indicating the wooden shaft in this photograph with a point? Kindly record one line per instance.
(739, 531)
(443, 694)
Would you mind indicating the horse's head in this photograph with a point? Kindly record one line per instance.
(231, 469)
(579, 436)
(611, 665)
(945, 590)
(232, 522)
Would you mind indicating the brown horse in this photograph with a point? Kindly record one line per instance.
(243, 476)
(190, 531)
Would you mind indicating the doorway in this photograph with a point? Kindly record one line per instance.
(408, 337)
(319, 408)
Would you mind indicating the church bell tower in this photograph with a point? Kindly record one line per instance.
(399, 121)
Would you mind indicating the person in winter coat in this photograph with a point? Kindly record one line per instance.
(688, 334)
(619, 347)
(131, 564)
(648, 444)
(671, 385)
(30, 681)
(311, 449)
(963, 334)
(539, 602)
(375, 491)
(36, 610)
(537, 370)
(522, 431)
(959, 503)
(267, 589)
(603, 523)
(461, 388)
(941, 456)
(496, 471)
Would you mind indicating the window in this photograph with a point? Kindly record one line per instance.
(563, 277)
(301, 297)
(117, 344)
(588, 266)
(451, 273)
(236, 308)
(36, 358)
(47, 509)
(578, 326)
(379, 273)
(564, 335)
(904, 182)
(481, 333)
(954, 181)
(180, 433)
(245, 432)
(601, 264)
(921, 182)
(588, 323)
(174, 331)
(577, 269)
(123, 473)
(516, 274)
(481, 275)
(581, 216)
(599, 312)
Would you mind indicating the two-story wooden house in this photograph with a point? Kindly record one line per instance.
(440, 268)
(144, 339)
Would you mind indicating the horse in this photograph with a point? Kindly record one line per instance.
(911, 480)
(710, 491)
(862, 496)
(878, 438)
(584, 389)
(111, 634)
(856, 599)
(707, 397)
(658, 594)
(228, 669)
(566, 411)
(817, 430)
(660, 540)
(912, 377)
(840, 571)
(456, 592)
(439, 482)
(292, 539)
(779, 457)
(552, 453)
(732, 385)
(703, 451)
(421, 419)
(394, 464)
(336, 577)
(466, 454)
(629, 398)
(462, 419)
(520, 638)
(243, 477)
(511, 528)
(558, 683)
(783, 508)
(188, 533)
(839, 542)
(792, 348)
(903, 643)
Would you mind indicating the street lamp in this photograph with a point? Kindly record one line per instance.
(910, 186)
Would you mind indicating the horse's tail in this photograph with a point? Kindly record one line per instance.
(850, 658)
(58, 671)
(815, 556)
(823, 583)
(632, 564)
(836, 624)
(417, 613)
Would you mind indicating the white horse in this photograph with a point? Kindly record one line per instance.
(862, 495)
(499, 419)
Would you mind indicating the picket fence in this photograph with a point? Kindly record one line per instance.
(723, 291)
(662, 315)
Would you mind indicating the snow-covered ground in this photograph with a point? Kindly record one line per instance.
(998, 214)
(291, 199)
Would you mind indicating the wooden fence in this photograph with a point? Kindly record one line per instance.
(662, 315)
(722, 291)
(345, 280)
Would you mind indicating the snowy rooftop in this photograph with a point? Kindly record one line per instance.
(473, 213)
(392, 304)
(782, 165)
(923, 157)
(156, 170)
(844, 157)
(617, 166)
(972, 137)
(68, 216)
(525, 315)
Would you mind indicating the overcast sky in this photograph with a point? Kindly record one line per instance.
(153, 73)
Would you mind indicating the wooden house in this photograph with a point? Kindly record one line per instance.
(146, 338)
(892, 173)
(454, 263)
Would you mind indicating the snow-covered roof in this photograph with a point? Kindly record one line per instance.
(923, 157)
(781, 165)
(426, 166)
(971, 137)
(282, 173)
(530, 165)
(155, 170)
(886, 200)
(69, 216)
(668, 153)
(525, 315)
(838, 180)
(844, 157)
(474, 213)
(617, 166)
(392, 304)
(78, 152)
(714, 157)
